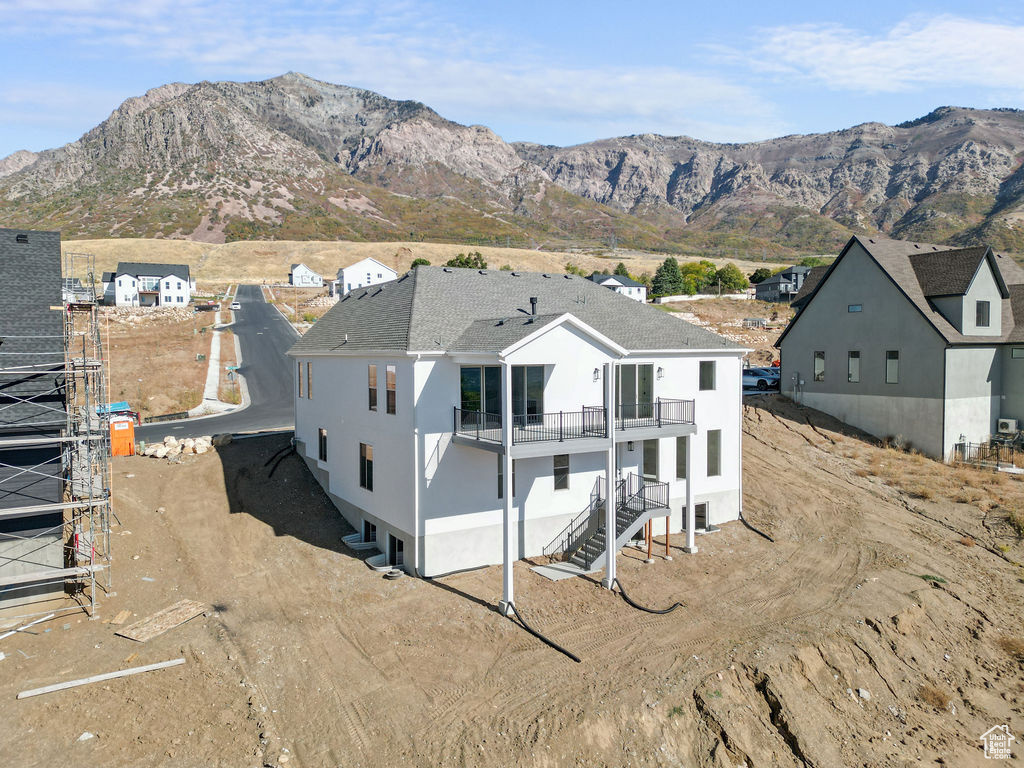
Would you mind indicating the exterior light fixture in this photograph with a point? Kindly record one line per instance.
(629, 445)
(597, 374)
(661, 372)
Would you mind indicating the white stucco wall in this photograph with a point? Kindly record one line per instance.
(363, 274)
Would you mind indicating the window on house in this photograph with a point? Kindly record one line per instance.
(561, 462)
(501, 476)
(855, 308)
(819, 366)
(372, 386)
(714, 452)
(853, 367)
(707, 375)
(179, 286)
(389, 382)
(527, 390)
(682, 443)
(480, 391)
(323, 444)
(981, 311)
(892, 367)
(309, 380)
(366, 466)
(1017, 353)
(634, 390)
(299, 364)
(181, 299)
(167, 285)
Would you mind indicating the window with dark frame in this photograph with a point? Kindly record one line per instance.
(390, 375)
(707, 375)
(853, 367)
(501, 476)
(819, 366)
(366, 466)
(300, 378)
(323, 444)
(371, 376)
(892, 366)
(981, 312)
(854, 307)
(309, 380)
(561, 470)
(714, 452)
(682, 444)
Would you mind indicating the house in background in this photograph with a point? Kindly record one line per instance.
(302, 276)
(461, 418)
(362, 274)
(781, 287)
(627, 286)
(140, 284)
(921, 341)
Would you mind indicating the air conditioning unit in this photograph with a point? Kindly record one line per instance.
(1006, 426)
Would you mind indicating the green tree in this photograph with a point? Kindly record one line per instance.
(620, 269)
(760, 274)
(420, 262)
(697, 276)
(667, 280)
(814, 261)
(506, 267)
(572, 269)
(471, 260)
(731, 279)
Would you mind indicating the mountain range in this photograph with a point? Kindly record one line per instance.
(296, 158)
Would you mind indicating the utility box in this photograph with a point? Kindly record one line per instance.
(122, 437)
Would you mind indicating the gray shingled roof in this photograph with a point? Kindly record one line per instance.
(811, 280)
(447, 309)
(149, 269)
(907, 263)
(947, 273)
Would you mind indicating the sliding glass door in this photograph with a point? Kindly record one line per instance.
(528, 390)
(634, 387)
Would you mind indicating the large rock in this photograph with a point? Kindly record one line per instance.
(161, 451)
(222, 439)
(170, 440)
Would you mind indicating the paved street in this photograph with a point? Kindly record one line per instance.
(264, 336)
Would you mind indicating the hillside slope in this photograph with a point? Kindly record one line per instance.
(296, 158)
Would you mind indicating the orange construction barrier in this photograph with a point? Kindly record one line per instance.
(122, 438)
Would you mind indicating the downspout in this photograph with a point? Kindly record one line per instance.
(418, 478)
(945, 384)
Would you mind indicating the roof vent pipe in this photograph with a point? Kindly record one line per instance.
(533, 305)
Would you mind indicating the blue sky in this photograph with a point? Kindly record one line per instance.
(552, 72)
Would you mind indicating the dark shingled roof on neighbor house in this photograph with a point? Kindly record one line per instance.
(811, 280)
(628, 282)
(149, 269)
(432, 309)
(923, 270)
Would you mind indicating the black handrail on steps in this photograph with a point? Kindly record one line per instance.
(639, 607)
(541, 637)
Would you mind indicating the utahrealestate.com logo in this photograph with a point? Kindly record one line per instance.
(997, 741)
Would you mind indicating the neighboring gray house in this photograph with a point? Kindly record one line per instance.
(300, 274)
(627, 286)
(907, 339)
(782, 287)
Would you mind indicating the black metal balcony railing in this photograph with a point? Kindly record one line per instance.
(662, 411)
(534, 427)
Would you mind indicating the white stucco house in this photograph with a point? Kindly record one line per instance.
(627, 286)
(301, 275)
(139, 284)
(911, 340)
(463, 418)
(362, 274)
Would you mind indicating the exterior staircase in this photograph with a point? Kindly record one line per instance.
(637, 500)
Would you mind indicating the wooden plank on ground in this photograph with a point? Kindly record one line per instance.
(121, 618)
(161, 621)
(99, 678)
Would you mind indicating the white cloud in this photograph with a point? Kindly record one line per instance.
(404, 50)
(919, 52)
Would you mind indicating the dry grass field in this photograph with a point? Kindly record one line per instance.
(882, 627)
(269, 261)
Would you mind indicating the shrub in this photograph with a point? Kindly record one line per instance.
(933, 696)
(471, 260)
(1016, 520)
(420, 262)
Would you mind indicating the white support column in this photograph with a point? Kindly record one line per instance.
(691, 516)
(609, 502)
(509, 523)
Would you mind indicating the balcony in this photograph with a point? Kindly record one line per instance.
(559, 426)
(633, 421)
(662, 412)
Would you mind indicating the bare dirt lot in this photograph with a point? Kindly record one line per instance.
(152, 357)
(726, 316)
(883, 627)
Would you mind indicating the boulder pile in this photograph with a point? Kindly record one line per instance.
(171, 448)
(141, 315)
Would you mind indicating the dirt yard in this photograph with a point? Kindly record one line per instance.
(726, 316)
(152, 357)
(883, 627)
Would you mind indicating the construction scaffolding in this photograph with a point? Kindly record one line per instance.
(55, 505)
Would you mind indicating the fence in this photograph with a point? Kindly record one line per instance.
(993, 453)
